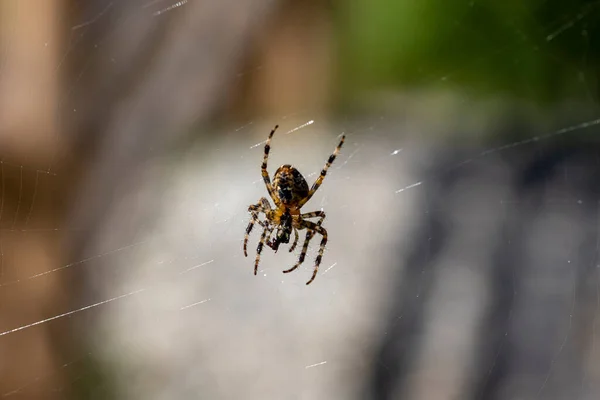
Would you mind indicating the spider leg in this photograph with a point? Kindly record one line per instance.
(249, 229)
(266, 232)
(309, 236)
(313, 215)
(295, 240)
(262, 206)
(247, 235)
(319, 180)
(319, 229)
(265, 203)
(263, 168)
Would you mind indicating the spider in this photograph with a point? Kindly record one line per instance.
(289, 191)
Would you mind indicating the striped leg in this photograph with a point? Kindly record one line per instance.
(249, 229)
(263, 237)
(263, 168)
(313, 214)
(323, 232)
(247, 235)
(309, 236)
(295, 240)
(319, 180)
(262, 206)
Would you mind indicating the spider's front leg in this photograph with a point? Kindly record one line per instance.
(262, 206)
(263, 168)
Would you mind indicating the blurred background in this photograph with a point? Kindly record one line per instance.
(463, 211)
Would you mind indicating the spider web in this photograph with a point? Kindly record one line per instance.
(425, 237)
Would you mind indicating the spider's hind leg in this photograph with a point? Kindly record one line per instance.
(323, 232)
(293, 246)
(309, 235)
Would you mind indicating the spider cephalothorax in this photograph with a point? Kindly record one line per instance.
(289, 191)
(284, 231)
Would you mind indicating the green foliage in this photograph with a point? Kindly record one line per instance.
(536, 49)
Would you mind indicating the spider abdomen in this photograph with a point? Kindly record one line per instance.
(289, 185)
